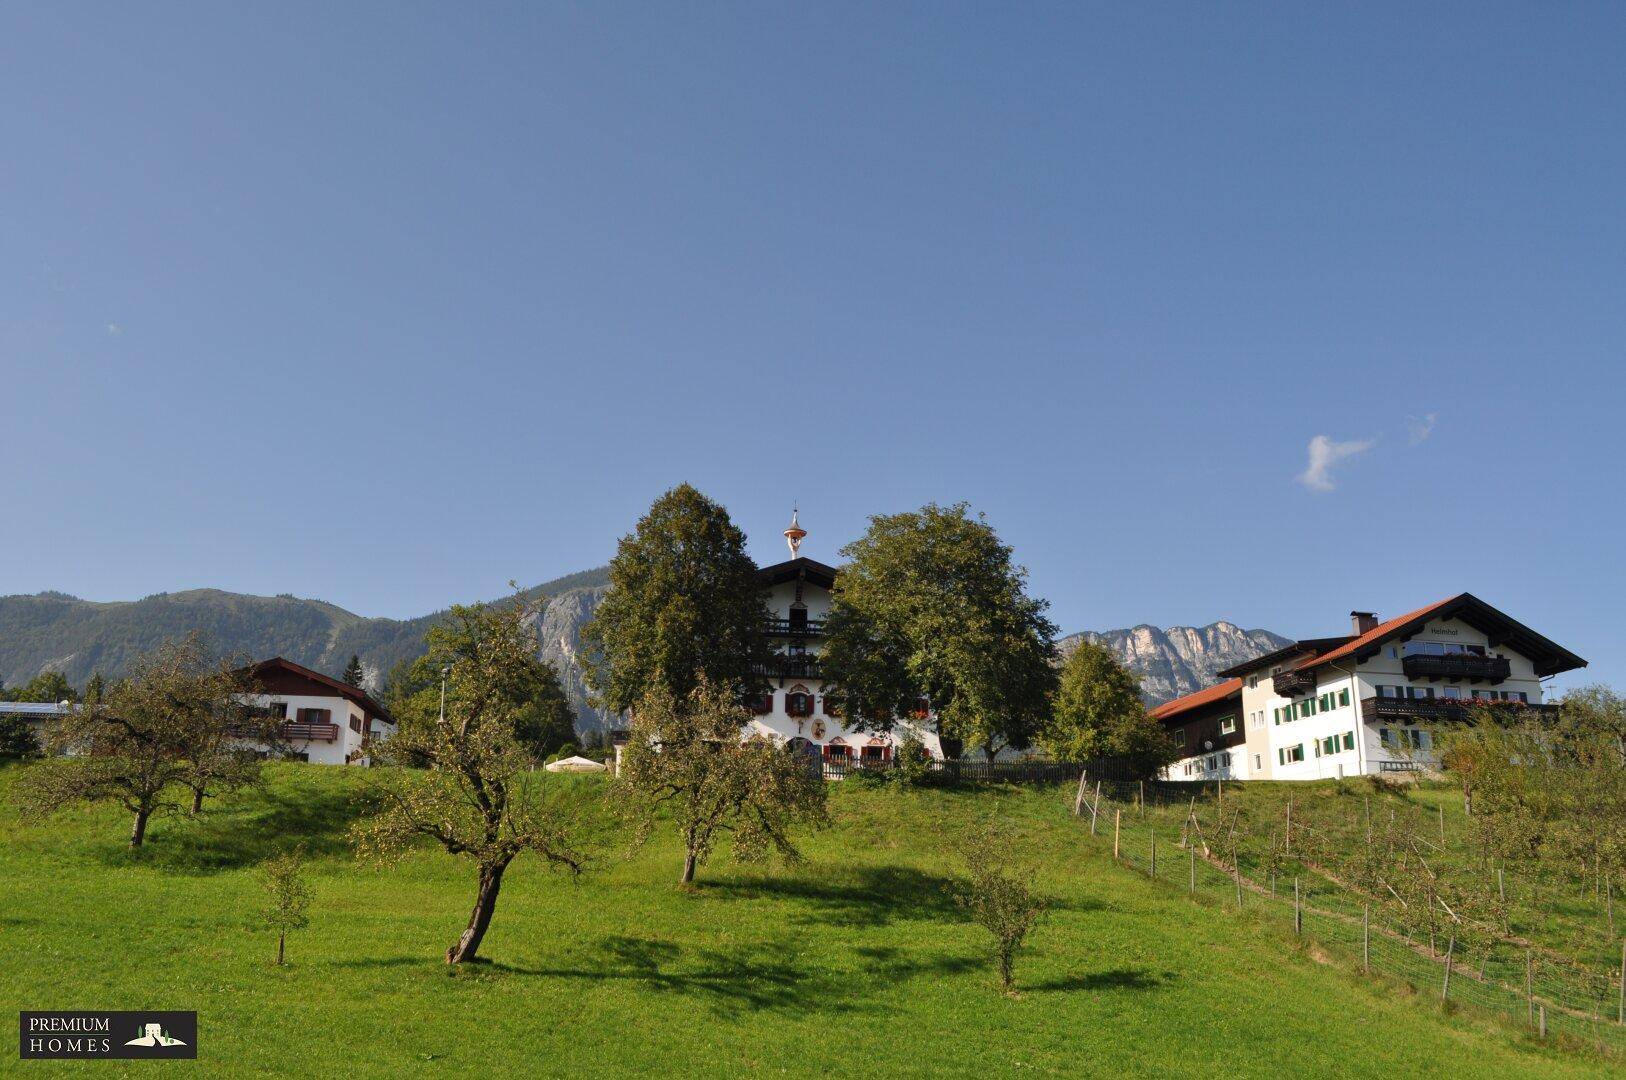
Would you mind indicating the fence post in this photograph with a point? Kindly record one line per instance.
(1237, 870)
(1366, 938)
(1541, 1012)
(1442, 826)
(1095, 807)
(1298, 911)
(1117, 821)
(1450, 949)
(1078, 800)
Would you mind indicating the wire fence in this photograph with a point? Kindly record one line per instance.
(1531, 987)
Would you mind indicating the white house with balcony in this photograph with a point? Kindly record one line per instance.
(793, 710)
(323, 720)
(1363, 702)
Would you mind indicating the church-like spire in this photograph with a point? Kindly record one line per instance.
(794, 534)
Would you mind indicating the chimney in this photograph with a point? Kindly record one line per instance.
(1363, 622)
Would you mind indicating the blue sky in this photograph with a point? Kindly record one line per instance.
(388, 304)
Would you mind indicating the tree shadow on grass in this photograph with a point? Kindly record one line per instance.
(761, 976)
(851, 896)
(248, 830)
(1116, 979)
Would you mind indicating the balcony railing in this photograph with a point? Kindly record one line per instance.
(790, 667)
(1388, 708)
(793, 628)
(313, 732)
(1457, 666)
(1293, 683)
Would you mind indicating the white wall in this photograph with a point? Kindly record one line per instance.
(348, 742)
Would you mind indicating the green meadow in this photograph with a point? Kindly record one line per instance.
(856, 963)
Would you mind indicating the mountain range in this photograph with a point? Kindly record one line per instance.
(54, 631)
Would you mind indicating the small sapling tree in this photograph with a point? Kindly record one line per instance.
(998, 894)
(288, 896)
(686, 756)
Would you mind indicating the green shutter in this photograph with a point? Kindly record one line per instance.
(1343, 697)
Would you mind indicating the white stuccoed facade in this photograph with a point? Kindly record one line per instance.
(794, 711)
(1362, 703)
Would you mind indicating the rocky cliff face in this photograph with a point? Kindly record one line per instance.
(1181, 659)
(559, 630)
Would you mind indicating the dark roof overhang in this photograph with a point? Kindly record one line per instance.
(800, 568)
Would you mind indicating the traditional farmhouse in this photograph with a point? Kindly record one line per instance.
(323, 720)
(1361, 702)
(793, 710)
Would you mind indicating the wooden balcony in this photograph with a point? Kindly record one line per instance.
(1290, 684)
(795, 628)
(1456, 667)
(311, 732)
(1430, 709)
(790, 667)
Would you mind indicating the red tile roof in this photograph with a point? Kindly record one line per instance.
(1380, 631)
(1217, 692)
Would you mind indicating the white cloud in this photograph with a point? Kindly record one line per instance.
(1324, 454)
(114, 329)
(1421, 427)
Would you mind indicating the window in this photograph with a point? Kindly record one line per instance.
(1289, 754)
(278, 710)
(1307, 707)
(315, 716)
(1258, 762)
(798, 704)
(1253, 682)
(1228, 725)
(355, 722)
(1180, 737)
(761, 704)
(1343, 697)
(1349, 740)
(1452, 693)
(1225, 760)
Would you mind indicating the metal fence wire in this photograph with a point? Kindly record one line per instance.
(1552, 998)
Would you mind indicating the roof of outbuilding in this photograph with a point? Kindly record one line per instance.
(1207, 696)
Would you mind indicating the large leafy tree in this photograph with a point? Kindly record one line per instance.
(685, 763)
(1097, 712)
(478, 797)
(180, 720)
(46, 687)
(930, 609)
(684, 606)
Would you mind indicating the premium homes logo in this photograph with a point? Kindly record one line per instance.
(112, 1035)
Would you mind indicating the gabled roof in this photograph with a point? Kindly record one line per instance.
(340, 689)
(1208, 696)
(1292, 648)
(800, 567)
(1548, 657)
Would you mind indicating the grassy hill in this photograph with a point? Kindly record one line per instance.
(857, 963)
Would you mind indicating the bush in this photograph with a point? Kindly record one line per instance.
(914, 763)
(17, 739)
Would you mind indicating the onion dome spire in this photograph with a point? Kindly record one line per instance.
(794, 534)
